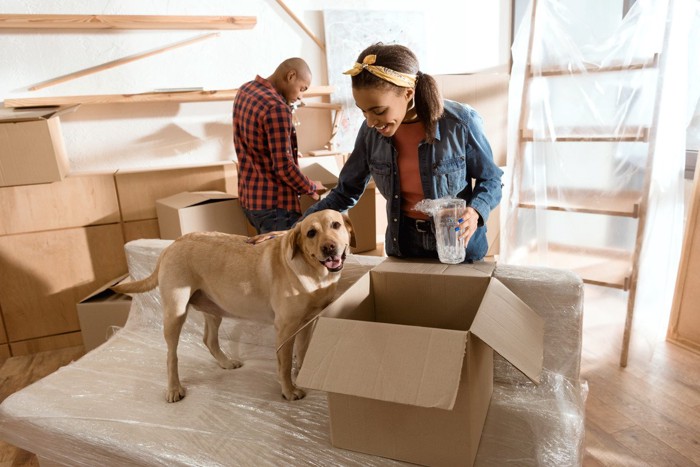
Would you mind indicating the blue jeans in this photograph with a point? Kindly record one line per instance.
(270, 220)
(417, 240)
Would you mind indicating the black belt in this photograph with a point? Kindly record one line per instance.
(420, 225)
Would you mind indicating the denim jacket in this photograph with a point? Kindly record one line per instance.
(460, 154)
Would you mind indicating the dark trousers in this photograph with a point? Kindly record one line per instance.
(270, 220)
(417, 240)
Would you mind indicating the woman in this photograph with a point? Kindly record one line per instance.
(415, 145)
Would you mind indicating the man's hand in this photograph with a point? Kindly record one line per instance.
(320, 189)
(265, 236)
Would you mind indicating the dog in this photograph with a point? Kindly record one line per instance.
(286, 280)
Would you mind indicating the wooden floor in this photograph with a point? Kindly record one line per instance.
(645, 414)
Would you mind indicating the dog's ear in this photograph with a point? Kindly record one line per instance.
(350, 229)
(292, 240)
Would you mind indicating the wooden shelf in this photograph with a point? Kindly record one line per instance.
(185, 96)
(593, 135)
(19, 21)
(617, 203)
(604, 267)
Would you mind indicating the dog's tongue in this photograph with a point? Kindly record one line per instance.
(334, 262)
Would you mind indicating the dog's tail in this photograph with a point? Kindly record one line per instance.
(144, 285)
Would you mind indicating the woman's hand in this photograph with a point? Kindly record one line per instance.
(468, 224)
(265, 236)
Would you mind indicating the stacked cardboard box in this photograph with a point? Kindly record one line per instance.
(32, 146)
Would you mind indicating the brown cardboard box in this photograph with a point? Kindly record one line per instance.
(326, 169)
(32, 146)
(200, 211)
(76, 201)
(406, 356)
(138, 190)
(100, 311)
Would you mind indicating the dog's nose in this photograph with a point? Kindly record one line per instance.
(329, 249)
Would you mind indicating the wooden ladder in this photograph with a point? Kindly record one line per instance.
(544, 145)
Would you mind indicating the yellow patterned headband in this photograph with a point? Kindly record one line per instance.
(403, 80)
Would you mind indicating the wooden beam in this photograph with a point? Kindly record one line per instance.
(302, 25)
(19, 21)
(120, 61)
(187, 96)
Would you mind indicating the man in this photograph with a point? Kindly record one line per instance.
(269, 180)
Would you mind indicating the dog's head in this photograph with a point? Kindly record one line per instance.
(324, 238)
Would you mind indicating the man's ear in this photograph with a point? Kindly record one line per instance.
(350, 229)
(292, 240)
(291, 75)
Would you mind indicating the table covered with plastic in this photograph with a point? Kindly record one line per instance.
(108, 408)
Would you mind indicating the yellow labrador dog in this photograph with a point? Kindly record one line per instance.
(287, 281)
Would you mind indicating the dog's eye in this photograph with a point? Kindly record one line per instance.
(311, 233)
(335, 225)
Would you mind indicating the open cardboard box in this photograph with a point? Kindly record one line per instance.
(200, 211)
(100, 311)
(406, 356)
(32, 145)
(363, 215)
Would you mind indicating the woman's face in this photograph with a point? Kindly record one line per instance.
(383, 108)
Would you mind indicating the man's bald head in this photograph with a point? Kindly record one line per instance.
(291, 78)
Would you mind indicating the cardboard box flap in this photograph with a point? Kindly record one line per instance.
(420, 266)
(402, 364)
(511, 328)
(107, 285)
(320, 173)
(194, 198)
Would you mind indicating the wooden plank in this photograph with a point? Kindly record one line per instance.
(611, 68)
(185, 96)
(302, 25)
(44, 274)
(605, 416)
(612, 203)
(606, 267)
(602, 449)
(138, 190)
(36, 21)
(588, 135)
(664, 418)
(648, 447)
(4, 353)
(121, 61)
(76, 201)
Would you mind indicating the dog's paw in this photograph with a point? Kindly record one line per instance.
(174, 395)
(295, 394)
(230, 364)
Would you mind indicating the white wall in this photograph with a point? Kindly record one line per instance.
(462, 37)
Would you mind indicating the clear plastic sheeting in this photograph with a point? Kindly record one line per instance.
(109, 408)
(596, 150)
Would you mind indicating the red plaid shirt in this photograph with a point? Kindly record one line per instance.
(266, 145)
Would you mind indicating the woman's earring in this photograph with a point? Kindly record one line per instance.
(413, 102)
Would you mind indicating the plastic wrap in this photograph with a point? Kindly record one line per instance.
(109, 408)
(596, 151)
